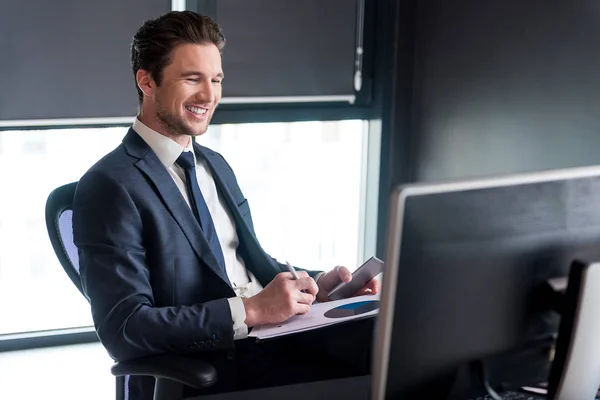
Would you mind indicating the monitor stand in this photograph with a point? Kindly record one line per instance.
(471, 380)
(575, 372)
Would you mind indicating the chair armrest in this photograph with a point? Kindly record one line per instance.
(190, 371)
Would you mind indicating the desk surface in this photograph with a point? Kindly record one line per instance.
(356, 388)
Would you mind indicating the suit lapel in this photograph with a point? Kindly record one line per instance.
(244, 233)
(151, 166)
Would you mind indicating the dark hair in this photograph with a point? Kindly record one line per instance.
(153, 42)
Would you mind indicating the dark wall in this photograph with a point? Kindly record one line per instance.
(503, 86)
(393, 96)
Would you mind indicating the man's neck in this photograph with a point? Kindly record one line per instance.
(153, 123)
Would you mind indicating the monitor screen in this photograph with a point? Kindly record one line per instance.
(465, 264)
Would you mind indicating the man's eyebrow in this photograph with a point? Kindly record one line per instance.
(198, 73)
(191, 73)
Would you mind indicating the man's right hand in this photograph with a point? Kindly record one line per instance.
(281, 299)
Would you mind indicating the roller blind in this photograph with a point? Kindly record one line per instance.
(69, 58)
(301, 50)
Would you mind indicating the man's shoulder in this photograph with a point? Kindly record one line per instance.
(110, 178)
(116, 165)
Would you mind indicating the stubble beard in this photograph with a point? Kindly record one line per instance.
(175, 126)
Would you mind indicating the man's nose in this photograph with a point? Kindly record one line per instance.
(206, 94)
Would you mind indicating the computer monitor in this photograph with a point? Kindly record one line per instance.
(466, 264)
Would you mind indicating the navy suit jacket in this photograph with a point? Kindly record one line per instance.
(153, 283)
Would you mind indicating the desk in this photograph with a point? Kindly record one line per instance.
(356, 388)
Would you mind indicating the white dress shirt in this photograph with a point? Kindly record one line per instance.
(242, 280)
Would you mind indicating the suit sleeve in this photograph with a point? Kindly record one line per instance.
(109, 235)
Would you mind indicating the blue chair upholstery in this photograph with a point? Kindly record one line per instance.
(65, 227)
(172, 372)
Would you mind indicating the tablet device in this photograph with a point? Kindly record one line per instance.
(369, 270)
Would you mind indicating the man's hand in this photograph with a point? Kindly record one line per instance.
(339, 274)
(281, 299)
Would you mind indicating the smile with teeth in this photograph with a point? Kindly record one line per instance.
(196, 110)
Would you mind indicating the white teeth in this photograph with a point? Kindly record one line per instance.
(196, 110)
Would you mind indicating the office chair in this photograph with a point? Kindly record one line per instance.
(172, 372)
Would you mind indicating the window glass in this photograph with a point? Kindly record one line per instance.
(302, 180)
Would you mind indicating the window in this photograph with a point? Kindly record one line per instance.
(35, 293)
(303, 181)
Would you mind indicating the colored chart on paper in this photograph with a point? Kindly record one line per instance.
(352, 309)
(321, 315)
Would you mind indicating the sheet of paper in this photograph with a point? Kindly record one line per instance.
(320, 315)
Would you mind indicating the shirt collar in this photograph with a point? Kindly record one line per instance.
(167, 150)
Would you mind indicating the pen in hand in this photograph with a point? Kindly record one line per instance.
(294, 273)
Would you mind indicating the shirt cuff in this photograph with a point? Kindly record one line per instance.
(238, 314)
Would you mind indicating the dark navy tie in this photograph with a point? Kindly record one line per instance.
(199, 207)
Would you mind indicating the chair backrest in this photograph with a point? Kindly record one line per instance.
(59, 214)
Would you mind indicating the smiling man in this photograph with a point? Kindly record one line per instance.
(169, 258)
(181, 97)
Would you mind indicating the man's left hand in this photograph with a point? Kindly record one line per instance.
(331, 279)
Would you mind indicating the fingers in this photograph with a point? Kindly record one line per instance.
(302, 274)
(307, 284)
(301, 308)
(372, 287)
(305, 298)
(343, 273)
(288, 275)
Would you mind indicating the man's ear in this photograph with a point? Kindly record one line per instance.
(145, 82)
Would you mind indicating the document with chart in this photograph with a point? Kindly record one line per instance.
(322, 314)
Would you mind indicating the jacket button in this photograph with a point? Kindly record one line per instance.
(230, 355)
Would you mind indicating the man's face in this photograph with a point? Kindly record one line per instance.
(190, 89)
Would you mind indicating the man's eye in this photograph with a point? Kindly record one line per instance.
(193, 80)
(216, 81)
